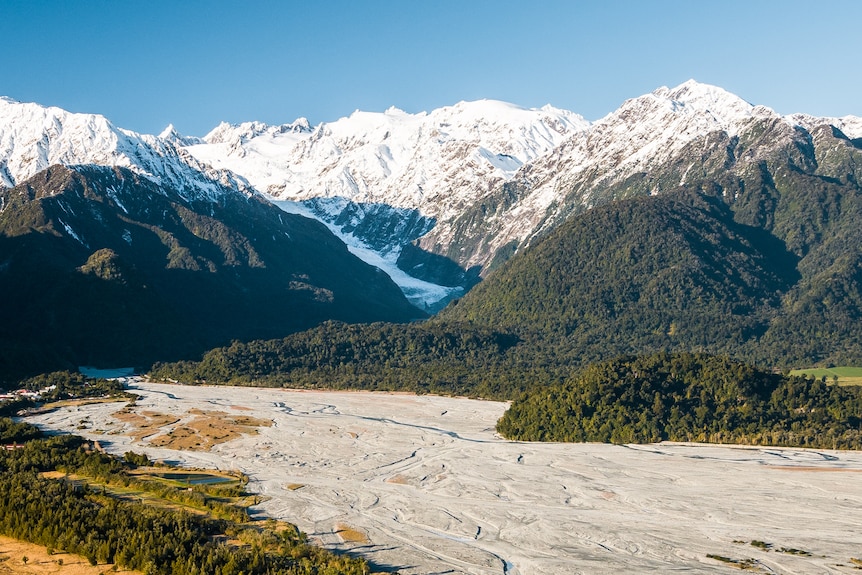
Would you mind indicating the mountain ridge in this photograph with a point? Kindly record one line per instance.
(438, 199)
(35, 137)
(99, 265)
(486, 223)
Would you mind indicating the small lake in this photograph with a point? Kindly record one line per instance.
(114, 373)
(195, 478)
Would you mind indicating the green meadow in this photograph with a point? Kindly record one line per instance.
(846, 375)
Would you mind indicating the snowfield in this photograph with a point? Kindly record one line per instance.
(423, 485)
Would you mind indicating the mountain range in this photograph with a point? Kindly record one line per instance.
(683, 204)
(473, 183)
(120, 249)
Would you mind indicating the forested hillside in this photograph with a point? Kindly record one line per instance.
(671, 272)
(758, 256)
(688, 397)
(427, 357)
(666, 272)
(102, 266)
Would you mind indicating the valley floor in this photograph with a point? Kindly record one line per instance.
(422, 484)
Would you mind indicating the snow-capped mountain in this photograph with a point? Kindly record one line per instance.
(382, 180)
(474, 182)
(653, 130)
(34, 137)
(653, 143)
(436, 199)
(434, 162)
(644, 133)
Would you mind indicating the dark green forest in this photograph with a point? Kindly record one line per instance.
(675, 272)
(71, 516)
(687, 271)
(428, 357)
(100, 266)
(637, 276)
(688, 397)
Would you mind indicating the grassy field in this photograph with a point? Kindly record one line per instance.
(846, 375)
(148, 489)
(39, 562)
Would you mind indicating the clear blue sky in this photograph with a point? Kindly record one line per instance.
(195, 63)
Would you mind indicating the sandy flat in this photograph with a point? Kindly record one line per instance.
(423, 484)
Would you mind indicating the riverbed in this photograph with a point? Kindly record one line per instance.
(423, 484)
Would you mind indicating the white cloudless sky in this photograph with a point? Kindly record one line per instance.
(195, 63)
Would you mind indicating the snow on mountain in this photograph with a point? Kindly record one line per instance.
(851, 126)
(171, 134)
(251, 149)
(424, 295)
(464, 183)
(435, 163)
(34, 137)
(651, 129)
(644, 133)
(382, 180)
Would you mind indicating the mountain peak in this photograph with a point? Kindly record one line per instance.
(693, 96)
(35, 137)
(225, 132)
(238, 134)
(170, 134)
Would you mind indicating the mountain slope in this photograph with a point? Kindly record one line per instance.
(691, 135)
(100, 265)
(34, 137)
(760, 259)
(382, 180)
(448, 196)
(670, 271)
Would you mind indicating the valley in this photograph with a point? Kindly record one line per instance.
(430, 288)
(423, 484)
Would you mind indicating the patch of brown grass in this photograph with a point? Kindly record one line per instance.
(349, 534)
(205, 429)
(146, 423)
(209, 428)
(13, 551)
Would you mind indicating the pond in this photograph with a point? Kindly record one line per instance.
(195, 478)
